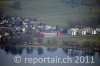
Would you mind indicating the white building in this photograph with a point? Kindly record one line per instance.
(98, 30)
(84, 31)
(73, 31)
(90, 31)
(94, 32)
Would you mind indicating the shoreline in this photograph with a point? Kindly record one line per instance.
(87, 43)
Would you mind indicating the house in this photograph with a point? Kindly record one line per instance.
(90, 31)
(47, 27)
(94, 32)
(87, 31)
(73, 31)
(82, 32)
(98, 30)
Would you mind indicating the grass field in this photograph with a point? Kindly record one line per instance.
(53, 12)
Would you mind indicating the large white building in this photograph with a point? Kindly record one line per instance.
(73, 31)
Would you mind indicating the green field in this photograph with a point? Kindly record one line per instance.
(53, 12)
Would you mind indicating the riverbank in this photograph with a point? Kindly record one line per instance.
(90, 40)
(83, 42)
(87, 43)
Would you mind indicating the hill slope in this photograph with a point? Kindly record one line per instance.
(52, 11)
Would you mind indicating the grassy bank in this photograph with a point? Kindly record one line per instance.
(82, 42)
(90, 43)
(87, 43)
(83, 39)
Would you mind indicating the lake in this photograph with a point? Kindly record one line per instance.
(44, 56)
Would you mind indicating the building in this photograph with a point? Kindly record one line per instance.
(48, 34)
(98, 30)
(82, 32)
(90, 31)
(73, 31)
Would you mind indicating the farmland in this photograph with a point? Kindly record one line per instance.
(53, 12)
